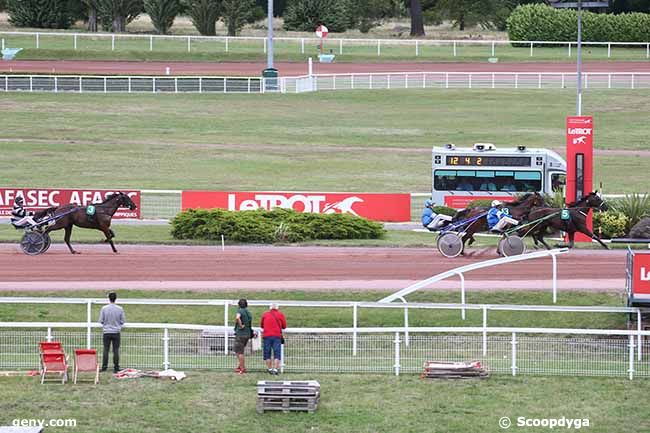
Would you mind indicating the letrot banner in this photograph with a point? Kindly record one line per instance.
(41, 198)
(378, 207)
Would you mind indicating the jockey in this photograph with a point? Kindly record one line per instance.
(19, 217)
(499, 218)
(432, 220)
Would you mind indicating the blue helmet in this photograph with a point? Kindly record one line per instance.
(428, 203)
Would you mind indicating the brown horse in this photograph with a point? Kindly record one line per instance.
(81, 216)
(519, 210)
(577, 221)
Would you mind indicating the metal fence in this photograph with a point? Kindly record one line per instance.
(464, 80)
(513, 351)
(305, 45)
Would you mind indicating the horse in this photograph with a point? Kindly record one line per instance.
(519, 210)
(577, 221)
(80, 216)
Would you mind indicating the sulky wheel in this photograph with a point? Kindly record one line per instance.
(32, 243)
(450, 245)
(48, 242)
(511, 246)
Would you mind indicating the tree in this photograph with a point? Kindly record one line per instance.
(204, 15)
(51, 14)
(162, 13)
(92, 6)
(306, 15)
(236, 13)
(466, 13)
(116, 14)
(417, 20)
(369, 13)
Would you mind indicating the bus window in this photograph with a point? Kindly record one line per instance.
(487, 180)
(558, 181)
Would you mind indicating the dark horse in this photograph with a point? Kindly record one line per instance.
(519, 210)
(577, 221)
(80, 216)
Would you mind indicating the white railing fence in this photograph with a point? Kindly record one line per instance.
(305, 45)
(514, 351)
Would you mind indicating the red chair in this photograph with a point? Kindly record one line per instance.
(54, 363)
(50, 347)
(85, 360)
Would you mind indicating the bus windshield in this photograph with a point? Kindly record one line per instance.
(487, 180)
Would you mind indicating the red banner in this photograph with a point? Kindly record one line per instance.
(378, 207)
(462, 201)
(42, 198)
(641, 276)
(579, 161)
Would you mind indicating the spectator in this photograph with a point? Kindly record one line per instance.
(272, 323)
(112, 319)
(243, 333)
(488, 186)
(465, 185)
(509, 186)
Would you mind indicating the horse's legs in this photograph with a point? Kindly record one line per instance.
(66, 238)
(572, 236)
(589, 233)
(109, 237)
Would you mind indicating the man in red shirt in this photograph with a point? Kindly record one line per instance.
(272, 323)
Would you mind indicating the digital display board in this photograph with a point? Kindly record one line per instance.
(489, 161)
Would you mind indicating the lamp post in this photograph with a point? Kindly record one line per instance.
(269, 50)
(579, 62)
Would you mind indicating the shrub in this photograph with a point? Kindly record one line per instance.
(306, 15)
(162, 13)
(49, 14)
(610, 224)
(278, 225)
(479, 203)
(444, 210)
(633, 206)
(204, 15)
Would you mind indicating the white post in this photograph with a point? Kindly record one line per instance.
(56, 84)
(446, 80)
(406, 81)
(586, 80)
(647, 51)
(223, 241)
(492, 48)
(38, 41)
(310, 67)
(388, 81)
(633, 80)
(189, 44)
(264, 45)
(355, 324)
(379, 47)
(80, 85)
(539, 81)
(153, 87)
(406, 326)
(49, 334)
(75, 41)
(175, 84)
(370, 81)
(6, 83)
(166, 349)
(225, 324)
(200, 84)
(31, 83)
(227, 45)
(484, 331)
(493, 80)
(352, 81)
(302, 45)
(609, 81)
(340, 46)
(424, 81)
(396, 366)
(462, 295)
(454, 48)
(631, 350)
(516, 80)
(129, 80)
(113, 43)
(470, 80)
(563, 80)
(105, 85)
(609, 50)
(248, 83)
(639, 337)
(514, 354)
(333, 82)
(3, 43)
(225, 82)
(569, 49)
(531, 49)
(417, 48)
(88, 321)
(554, 276)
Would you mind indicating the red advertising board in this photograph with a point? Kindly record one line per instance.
(641, 276)
(379, 207)
(579, 161)
(42, 198)
(462, 201)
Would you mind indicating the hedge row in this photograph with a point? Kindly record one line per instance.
(278, 225)
(538, 22)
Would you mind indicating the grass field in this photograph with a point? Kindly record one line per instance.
(324, 141)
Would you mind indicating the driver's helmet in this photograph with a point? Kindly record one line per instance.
(19, 200)
(496, 203)
(428, 203)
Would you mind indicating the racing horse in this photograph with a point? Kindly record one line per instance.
(97, 216)
(576, 222)
(519, 210)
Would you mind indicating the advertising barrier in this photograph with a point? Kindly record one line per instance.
(41, 198)
(378, 207)
(638, 278)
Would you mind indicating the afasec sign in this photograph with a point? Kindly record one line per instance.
(42, 198)
(379, 207)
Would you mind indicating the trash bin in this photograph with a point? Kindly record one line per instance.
(271, 80)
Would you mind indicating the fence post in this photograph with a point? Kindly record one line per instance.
(200, 84)
(492, 48)
(248, 83)
(153, 87)
(563, 80)
(454, 48)
(105, 90)
(493, 80)
(531, 49)
(166, 349)
(355, 324)
(189, 44)
(632, 80)
(56, 84)
(514, 354)
(379, 47)
(224, 84)
(340, 46)
(88, 321)
(639, 337)
(539, 81)
(647, 51)
(609, 81)
(417, 48)
(49, 334)
(352, 81)
(484, 331)
(75, 41)
(470, 80)
(175, 84)
(113, 43)
(38, 41)
(225, 327)
(406, 81)
(227, 46)
(569, 49)
(462, 289)
(370, 81)
(424, 81)
(517, 80)
(631, 350)
(388, 81)
(446, 80)
(302, 45)
(31, 83)
(333, 82)
(406, 326)
(129, 81)
(264, 45)
(6, 83)
(555, 270)
(397, 358)
(609, 50)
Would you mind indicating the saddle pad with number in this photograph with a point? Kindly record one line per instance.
(90, 210)
(565, 215)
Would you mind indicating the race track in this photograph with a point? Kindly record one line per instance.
(292, 268)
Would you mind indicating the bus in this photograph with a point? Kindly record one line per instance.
(462, 175)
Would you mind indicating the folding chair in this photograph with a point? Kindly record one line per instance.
(54, 363)
(85, 360)
(50, 347)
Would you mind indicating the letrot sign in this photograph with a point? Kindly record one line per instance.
(638, 278)
(579, 162)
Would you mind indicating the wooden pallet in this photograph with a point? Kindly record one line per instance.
(287, 396)
(453, 370)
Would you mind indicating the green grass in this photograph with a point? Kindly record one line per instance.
(225, 403)
(343, 141)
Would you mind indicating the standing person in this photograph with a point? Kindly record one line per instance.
(243, 333)
(112, 319)
(272, 323)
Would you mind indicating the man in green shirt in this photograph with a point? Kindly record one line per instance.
(243, 333)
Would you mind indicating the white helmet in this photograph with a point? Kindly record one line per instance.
(496, 203)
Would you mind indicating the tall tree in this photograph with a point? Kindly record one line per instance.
(51, 14)
(466, 13)
(204, 15)
(91, 5)
(162, 13)
(417, 20)
(236, 13)
(116, 14)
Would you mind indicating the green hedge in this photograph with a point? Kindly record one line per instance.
(538, 22)
(278, 225)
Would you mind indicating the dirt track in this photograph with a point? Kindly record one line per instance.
(293, 69)
(209, 268)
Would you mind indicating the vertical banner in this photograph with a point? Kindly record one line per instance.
(579, 161)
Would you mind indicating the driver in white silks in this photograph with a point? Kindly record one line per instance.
(19, 217)
(499, 218)
(432, 220)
